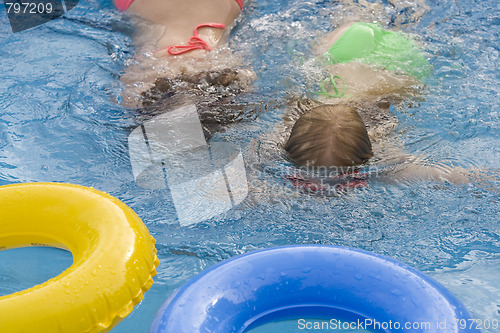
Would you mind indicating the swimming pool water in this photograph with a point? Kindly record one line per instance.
(59, 122)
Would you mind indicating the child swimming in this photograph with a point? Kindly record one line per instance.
(366, 65)
(174, 41)
(370, 68)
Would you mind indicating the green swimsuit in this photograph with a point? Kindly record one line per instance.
(372, 45)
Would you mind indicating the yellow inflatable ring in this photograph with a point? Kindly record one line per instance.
(114, 258)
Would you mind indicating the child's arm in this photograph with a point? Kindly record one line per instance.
(412, 169)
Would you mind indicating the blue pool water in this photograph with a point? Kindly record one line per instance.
(59, 122)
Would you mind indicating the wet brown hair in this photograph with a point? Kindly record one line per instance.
(329, 135)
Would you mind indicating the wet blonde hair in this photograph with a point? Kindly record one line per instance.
(329, 135)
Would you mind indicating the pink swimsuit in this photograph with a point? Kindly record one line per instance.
(194, 43)
(124, 4)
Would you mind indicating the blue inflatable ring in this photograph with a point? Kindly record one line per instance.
(365, 290)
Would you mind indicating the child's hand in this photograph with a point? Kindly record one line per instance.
(487, 179)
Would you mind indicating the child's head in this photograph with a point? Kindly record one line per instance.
(329, 135)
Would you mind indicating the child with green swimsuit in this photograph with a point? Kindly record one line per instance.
(370, 68)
